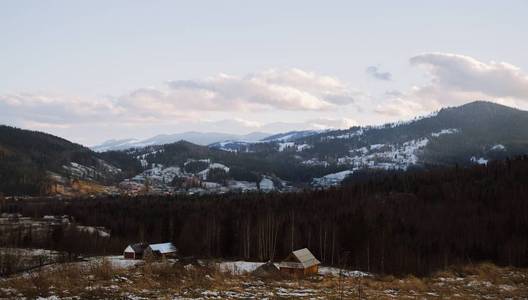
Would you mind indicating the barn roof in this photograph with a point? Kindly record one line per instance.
(137, 247)
(163, 248)
(302, 257)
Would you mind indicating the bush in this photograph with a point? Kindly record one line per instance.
(103, 270)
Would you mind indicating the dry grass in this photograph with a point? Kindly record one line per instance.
(412, 283)
(87, 187)
(102, 270)
(166, 280)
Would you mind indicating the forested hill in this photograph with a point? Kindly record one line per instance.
(412, 222)
(476, 130)
(28, 160)
(475, 133)
(472, 133)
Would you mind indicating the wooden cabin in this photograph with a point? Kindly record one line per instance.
(163, 250)
(300, 263)
(134, 251)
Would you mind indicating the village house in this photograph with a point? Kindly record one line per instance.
(163, 250)
(300, 263)
(134, 251)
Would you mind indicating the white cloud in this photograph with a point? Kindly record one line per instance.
(49, 108)
(293, 89)
(456, 79)
(242, 126)
(254, 102)
(322, 123)
(286, 90)
(398, 107)
(270, 101)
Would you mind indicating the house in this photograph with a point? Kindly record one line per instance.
(300, 263)
(163, 250)
(134, 251)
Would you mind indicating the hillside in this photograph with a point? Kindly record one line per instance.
(186, 167)
(474, 133)
(470, 134)
(32, 162)
(453, 135)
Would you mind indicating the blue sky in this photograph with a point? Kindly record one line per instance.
(95, 70)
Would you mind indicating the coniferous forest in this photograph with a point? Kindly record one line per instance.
(393, 223)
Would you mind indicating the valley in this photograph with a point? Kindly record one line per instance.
(474, 133)
(178, 150)
(375, 221)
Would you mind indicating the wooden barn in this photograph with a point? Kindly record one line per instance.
(163, 250)
(300, 263)
(134, 251)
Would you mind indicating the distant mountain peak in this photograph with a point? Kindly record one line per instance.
(199, 138)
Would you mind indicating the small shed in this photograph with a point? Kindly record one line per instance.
(163, 250)
(300, 263)
(267, 270)
(134, 251)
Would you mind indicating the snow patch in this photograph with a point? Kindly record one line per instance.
(480, 160)
(332, 179)
(498, 147)
(284, 146)
(385, 156)
(445, 131)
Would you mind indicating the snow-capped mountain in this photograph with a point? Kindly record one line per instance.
(249, 145)
(290, 136)
(199, 138)
(115, 145)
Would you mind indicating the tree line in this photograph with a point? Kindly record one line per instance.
(391, 222)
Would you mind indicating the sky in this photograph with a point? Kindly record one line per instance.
(91, 71)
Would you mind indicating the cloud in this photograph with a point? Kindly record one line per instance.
(398, 107)
(281, 90)
(243, 126)
(46, 108)
(292, 90)
(272, 101)
(455, 78)
(323, 123)
(376, 73)
(253, 102)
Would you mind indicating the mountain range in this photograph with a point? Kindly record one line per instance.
(199, 138)
(469, 134)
